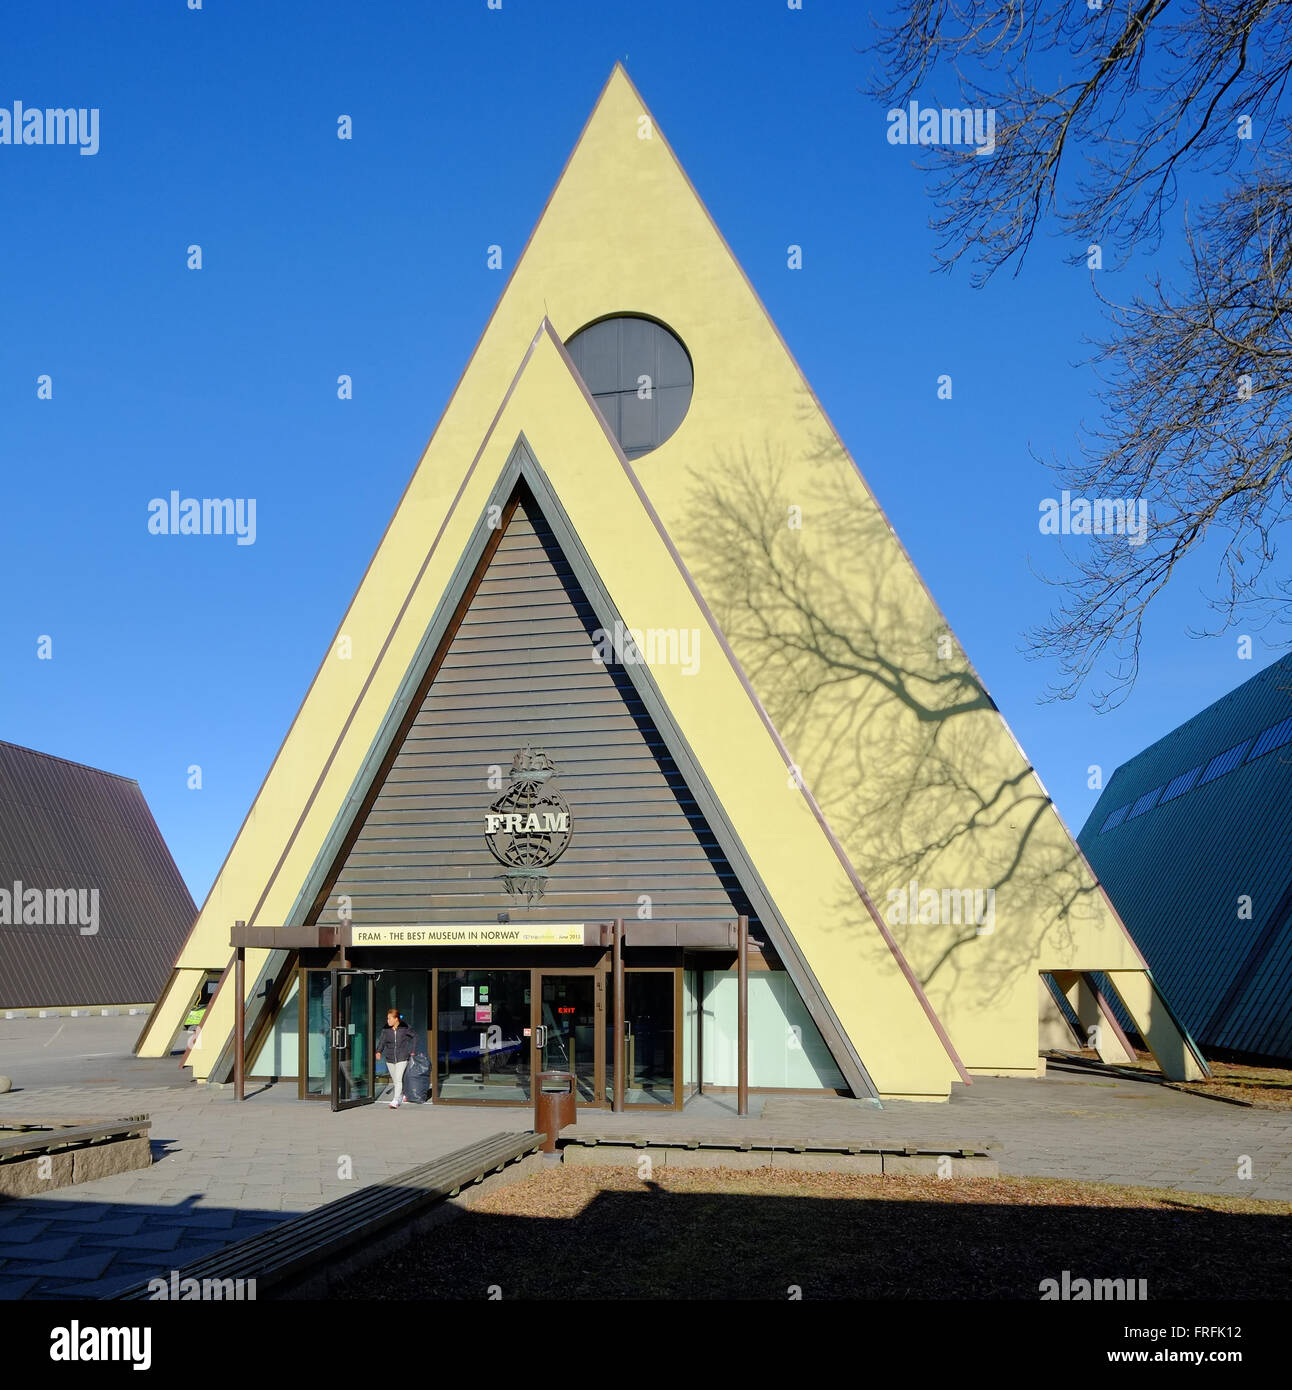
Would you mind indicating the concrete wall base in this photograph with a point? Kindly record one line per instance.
(102, 1160)
(24, 1178)
(77, 1011)
(1031, 1070)
(869, 1164)
(32, 1177)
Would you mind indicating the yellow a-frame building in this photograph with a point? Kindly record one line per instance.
(636, 563)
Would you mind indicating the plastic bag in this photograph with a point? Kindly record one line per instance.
(417, 1079)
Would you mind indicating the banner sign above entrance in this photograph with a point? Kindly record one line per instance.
(503, 934)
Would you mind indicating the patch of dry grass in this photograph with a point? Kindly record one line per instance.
(601, 1232)
(566, 1191)
(1265, 1088)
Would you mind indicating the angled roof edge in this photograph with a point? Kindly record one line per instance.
(69, 762)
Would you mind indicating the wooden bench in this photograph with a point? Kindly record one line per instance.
(299, 1244)
(34, 1136)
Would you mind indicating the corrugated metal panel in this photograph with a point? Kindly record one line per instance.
(64, 826)
(1201, 878)
(520, 670)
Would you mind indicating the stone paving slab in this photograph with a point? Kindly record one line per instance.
(223, 1171)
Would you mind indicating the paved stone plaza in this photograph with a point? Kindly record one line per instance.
(223, 1171)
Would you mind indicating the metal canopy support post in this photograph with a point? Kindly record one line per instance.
(742, 1016)
(620, 1080)
(239, 1022)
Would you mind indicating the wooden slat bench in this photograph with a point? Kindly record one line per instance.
(291, 1250)
(47, 1136)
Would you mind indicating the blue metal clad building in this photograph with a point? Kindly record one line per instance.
(1192, 838)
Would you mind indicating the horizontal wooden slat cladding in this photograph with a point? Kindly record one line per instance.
(420, 909)
(689, 881)
(404, 824)
(481, 724)
(520, 670)
(682, 853)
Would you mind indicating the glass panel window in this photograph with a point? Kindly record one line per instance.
(1224, 762)
(785, 1047)
(355, 1061)
(280, 1052)
(1177, 786)
(690, 1030)
(409, 993)
(1274, 737)
(567, 1016)
(648, 1045)
(639, 374)
(483, 1042)
(1145, 803)
(318, 1032)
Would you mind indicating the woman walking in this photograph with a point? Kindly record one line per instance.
(397, 1042)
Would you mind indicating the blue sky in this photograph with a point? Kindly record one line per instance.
(218, 127)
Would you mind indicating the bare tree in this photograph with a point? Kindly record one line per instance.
(1101, 110)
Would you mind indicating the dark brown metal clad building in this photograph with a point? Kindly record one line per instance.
(92, 907)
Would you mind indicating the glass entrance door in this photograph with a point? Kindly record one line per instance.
(566, 1036)
(650, 1044)
(483, 1042)
(351, 1039)
(316, 1034)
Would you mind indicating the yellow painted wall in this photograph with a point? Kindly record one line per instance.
(918, 775)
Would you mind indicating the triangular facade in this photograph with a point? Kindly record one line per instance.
(907, 865)
(531, 667)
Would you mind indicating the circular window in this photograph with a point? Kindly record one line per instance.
(639, 374)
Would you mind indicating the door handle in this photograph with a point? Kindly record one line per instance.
(542, 1035)
(339, 1039)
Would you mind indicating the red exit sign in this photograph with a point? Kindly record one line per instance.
(565, 1008)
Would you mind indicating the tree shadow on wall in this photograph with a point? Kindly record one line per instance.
(889, 726)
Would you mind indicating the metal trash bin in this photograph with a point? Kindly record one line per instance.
(554, 1105)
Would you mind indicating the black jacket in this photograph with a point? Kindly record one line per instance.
(397, 1044)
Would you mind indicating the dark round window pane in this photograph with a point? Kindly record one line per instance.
(639, 374)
